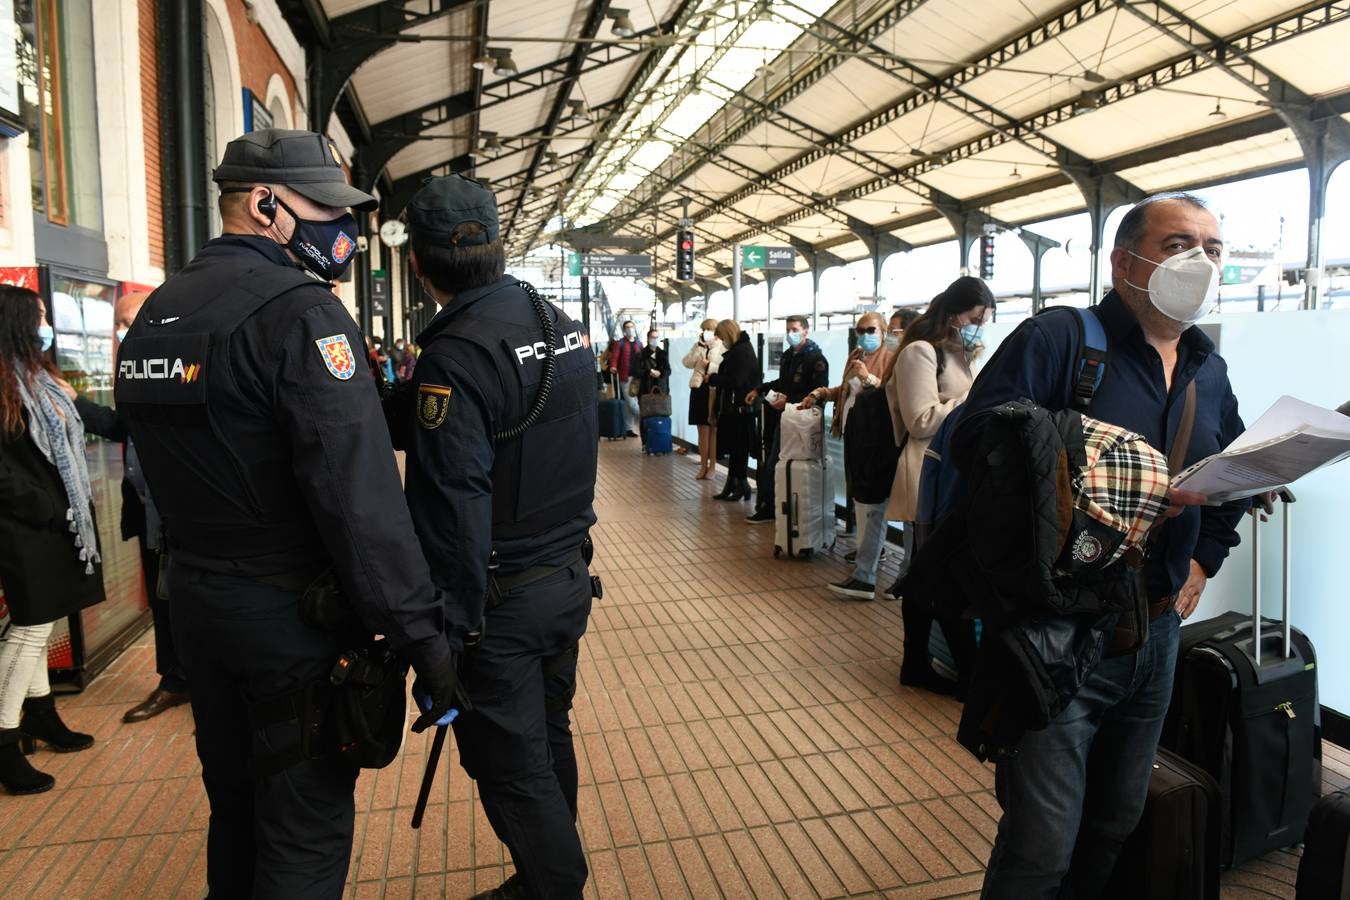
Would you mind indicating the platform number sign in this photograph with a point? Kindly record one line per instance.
(987, 257)
(684, 256)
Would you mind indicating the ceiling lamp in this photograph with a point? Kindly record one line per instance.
(483, 62)
(1087, 102)
(1217, 112)
(551, 159)
(492, 144)
(1093, 77)
(623, 26)
(915, 151)
(1015, 173)
(577, 111)
(503, 66)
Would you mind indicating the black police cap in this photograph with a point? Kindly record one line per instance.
(444, 203)
(303, 161)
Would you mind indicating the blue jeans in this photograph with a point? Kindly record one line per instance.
(1076, 789)
(871, 536)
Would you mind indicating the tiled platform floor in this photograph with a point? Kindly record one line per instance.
(740, 732)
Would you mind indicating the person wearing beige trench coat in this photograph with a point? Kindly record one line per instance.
(932, 376)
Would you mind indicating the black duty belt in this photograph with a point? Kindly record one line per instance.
(503, 584)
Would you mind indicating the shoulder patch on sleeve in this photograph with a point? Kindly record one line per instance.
(337, 355)
(433, 402)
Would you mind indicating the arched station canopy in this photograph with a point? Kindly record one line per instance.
(844, 128)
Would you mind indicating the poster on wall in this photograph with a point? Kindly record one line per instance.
(256, 116)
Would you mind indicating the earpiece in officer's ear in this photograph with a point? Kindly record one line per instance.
(268, 207)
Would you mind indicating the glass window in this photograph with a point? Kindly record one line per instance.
(57, 93)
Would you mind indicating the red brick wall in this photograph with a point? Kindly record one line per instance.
(154, 183)
(258, 60)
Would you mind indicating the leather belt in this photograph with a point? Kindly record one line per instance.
(1157, 608)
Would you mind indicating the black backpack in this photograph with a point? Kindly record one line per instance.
(870, 452)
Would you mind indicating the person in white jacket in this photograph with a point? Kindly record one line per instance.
(704, 358)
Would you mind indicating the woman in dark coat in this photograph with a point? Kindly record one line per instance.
(49, 560)
(654, 360)
(738, 375)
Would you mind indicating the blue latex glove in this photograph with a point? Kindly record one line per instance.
(424, 702)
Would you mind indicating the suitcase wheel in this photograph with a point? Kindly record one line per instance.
(805, 554)
(777, 552)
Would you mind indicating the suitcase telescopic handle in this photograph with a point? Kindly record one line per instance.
(1287, 499)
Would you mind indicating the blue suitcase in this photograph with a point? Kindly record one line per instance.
(656, 430)
(611, 414)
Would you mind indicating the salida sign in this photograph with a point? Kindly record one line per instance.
(754, 257)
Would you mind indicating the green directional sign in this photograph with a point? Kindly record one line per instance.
(753, 257)
(574, 264)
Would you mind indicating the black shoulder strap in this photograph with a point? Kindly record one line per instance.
(1093, 355)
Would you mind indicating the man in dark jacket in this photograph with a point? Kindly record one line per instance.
(1074, 791)
(802, 370)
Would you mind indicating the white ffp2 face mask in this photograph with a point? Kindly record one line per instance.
(1182, 287)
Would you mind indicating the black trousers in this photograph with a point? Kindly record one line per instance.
(733, 437)
(764, 471)
(172, 675)
(517, 741)
(287, 835)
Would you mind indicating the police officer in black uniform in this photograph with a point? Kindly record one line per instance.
(500, 427)
(261, 435)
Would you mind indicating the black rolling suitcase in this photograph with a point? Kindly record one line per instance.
(1173, 853)
(1324, 871)
(1244, 707)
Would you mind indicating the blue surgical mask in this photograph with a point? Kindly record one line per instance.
(970, 335)
(869, 342)
(45, 336)
(794, 338)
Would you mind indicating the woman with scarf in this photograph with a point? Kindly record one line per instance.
(869, 364)
(933, 374)
(49, 556)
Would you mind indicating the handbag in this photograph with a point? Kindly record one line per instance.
(634, 387)
(656, 403)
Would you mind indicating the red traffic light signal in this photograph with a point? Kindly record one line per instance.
(684, 256)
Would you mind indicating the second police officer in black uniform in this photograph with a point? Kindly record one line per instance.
(262, 439)
(501, 433)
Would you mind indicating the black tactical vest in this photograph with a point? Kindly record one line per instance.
(545, 477)
(215, 461)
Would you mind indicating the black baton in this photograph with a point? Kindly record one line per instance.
(433, 763)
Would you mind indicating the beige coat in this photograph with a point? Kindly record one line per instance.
(920, 399)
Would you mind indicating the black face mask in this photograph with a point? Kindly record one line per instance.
(325, 248)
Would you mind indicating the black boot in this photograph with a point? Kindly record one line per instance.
(916, 670)
(746, 492)
(16, 774)
(41, 722)
(729, 489)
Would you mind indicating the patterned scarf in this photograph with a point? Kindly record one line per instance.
(60, 439)
(1124, 485)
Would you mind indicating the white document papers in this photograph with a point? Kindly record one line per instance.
(1290, 440)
